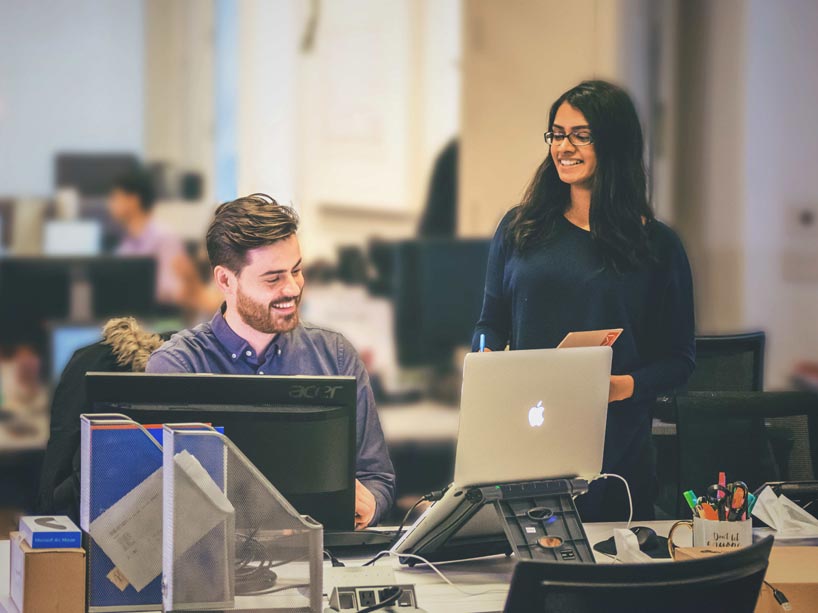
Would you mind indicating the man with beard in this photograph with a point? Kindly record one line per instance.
(256, 261)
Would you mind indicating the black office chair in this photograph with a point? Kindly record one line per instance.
(727, 582)
(728, 431)
(730, 363)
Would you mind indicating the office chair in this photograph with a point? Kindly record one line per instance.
(730, 363)
(727, 431)
(726, 582)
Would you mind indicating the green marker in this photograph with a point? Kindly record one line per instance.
(691, 500)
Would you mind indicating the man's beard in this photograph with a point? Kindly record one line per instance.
(263, 317)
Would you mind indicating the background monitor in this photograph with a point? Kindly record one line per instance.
(299, 431)
(38, 289)
(72, 238)
(92, 174)
(65, 340)
(438, 293)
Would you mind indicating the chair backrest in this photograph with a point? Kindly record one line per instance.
(726, 582)
(730, 363)
(728, 431)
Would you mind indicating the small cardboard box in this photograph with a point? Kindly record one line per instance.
(792, 570)
(46, 580)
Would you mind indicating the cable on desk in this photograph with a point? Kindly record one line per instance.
(627, 490)
(779, 597)
(435, 569)
(259, 579)
(432, 496)
(336, 563)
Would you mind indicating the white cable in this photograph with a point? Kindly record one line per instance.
(440, 574)
(627, 489)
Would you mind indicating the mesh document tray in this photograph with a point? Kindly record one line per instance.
(231, 541)
(121, 513)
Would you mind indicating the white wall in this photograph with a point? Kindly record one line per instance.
(781, 144)
(748, 146)
(71, 79)
(179, 86)
(515, 65)
(346, 130)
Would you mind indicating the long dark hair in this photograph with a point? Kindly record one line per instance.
(619, 206)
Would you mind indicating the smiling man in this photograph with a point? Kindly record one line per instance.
(256, 261)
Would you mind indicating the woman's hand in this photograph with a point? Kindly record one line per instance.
(621, 388)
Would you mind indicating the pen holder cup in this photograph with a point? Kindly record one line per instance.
(722, 535)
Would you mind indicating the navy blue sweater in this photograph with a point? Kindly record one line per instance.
(532, 301)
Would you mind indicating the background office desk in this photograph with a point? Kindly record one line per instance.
(488, 578)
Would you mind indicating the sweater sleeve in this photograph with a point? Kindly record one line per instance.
(374, 466)
(495, 318)
(675, 354)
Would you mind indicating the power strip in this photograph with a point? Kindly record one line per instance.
(349, 599)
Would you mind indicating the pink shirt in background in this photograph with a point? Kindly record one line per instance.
(166, 247)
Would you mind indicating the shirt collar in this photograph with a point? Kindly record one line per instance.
(235, 345)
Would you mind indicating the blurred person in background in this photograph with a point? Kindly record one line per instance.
(130, 204)
(583, 251)
(257, 266)
(439, 219)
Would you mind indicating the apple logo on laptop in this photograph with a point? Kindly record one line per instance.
(536, 415)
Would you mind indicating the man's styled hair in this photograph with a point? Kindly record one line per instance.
(247, 223)
(138, 182)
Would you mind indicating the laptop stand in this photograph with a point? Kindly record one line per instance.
(539, 519)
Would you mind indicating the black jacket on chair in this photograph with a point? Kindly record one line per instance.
(122, 349)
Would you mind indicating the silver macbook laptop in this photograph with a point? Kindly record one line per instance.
(524, 416)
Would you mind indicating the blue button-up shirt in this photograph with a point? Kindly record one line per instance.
(213, 347)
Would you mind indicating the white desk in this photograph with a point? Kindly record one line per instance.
(489, 577)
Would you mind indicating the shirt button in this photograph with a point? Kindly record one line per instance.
(234, 356)
(261, 372)
(248, 353)
(278, 351)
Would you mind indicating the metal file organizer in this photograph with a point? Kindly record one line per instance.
(231, 541)
(120, 460)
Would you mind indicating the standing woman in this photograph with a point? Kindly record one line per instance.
(583, 251)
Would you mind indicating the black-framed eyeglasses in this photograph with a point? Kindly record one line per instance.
(578, 139)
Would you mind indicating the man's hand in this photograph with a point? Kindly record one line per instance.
(364, 506)
(621, 388)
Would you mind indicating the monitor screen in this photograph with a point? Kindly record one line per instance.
(65, 340)
(92, 174)
(37, 289)
(76, 237)
(438, 293)
(299, 431)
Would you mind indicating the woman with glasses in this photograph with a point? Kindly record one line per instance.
(583, 251)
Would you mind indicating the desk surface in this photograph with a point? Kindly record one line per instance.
(488, 578)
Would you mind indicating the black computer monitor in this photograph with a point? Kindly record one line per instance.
(299, 431)
(34, 290)
(438, 294)
(92, 174)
